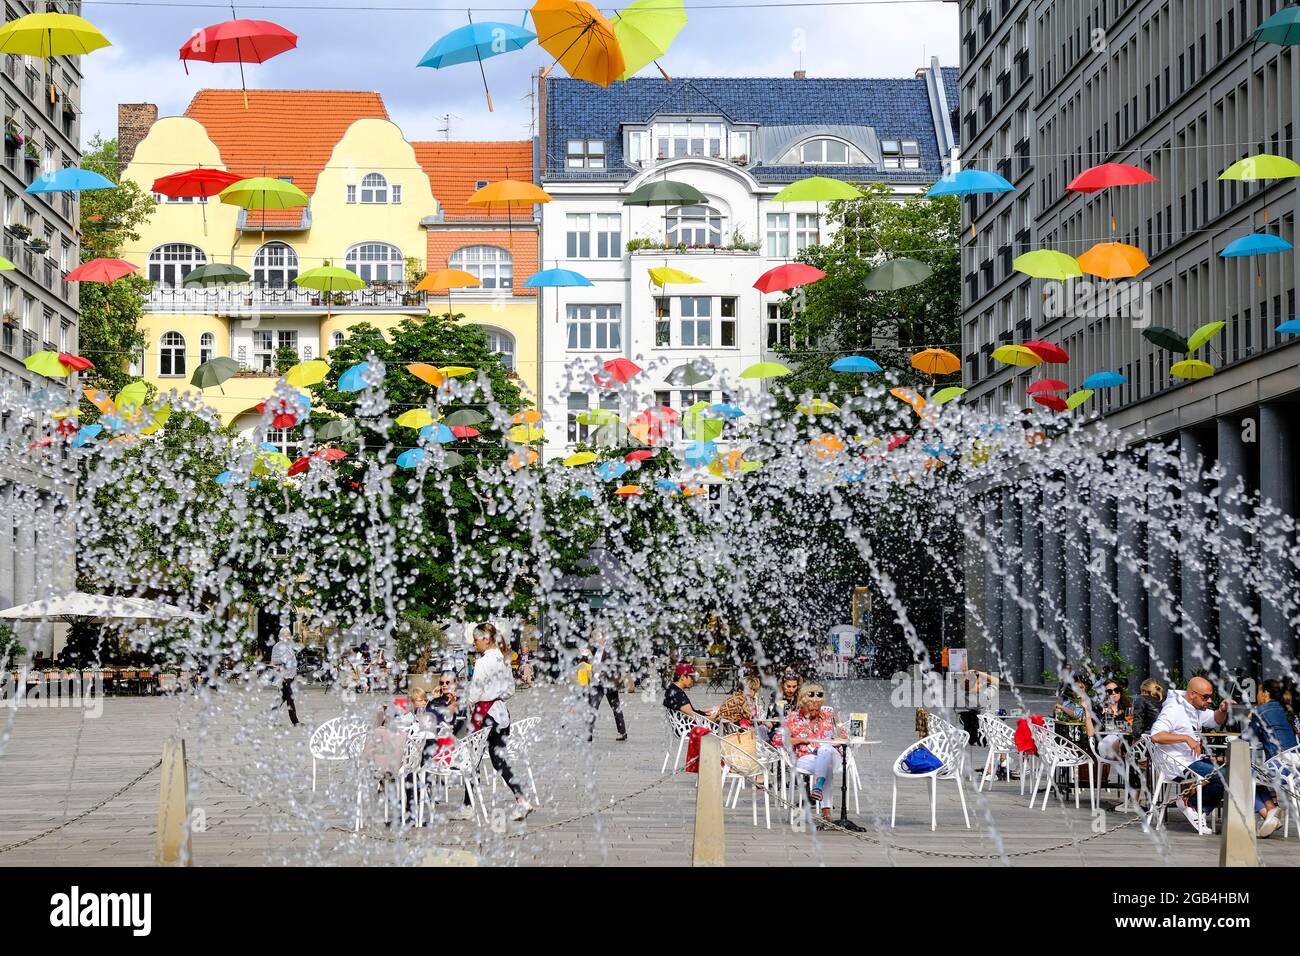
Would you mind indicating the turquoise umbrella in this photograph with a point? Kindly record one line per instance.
(476, 42)
(69, 180)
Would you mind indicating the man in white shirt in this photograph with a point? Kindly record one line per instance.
(285, 660)
(1177, 732)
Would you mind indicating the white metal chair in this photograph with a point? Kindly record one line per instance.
(679, 729)
(409, 772)
(1001, 741)
(339, 738)
(1170, 779)
(463, 766)
(523, 734)
(944, 747)
(743, 768)
(1282, 773)
(1056, 753)
(959, 737)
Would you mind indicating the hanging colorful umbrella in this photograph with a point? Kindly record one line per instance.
(665, 275)
(1105, 379)
(415, 418)
(556, 278)
(665, 192)
(47, 364)
(686, 375)
(622, 369)
(50, 34)
(197, 184)
(788, 276)
(628, 491)
(946, 395)
(641, 454)
(581, 40)
(1165, 338)
(508, 194)
(215, 273)
(1078, 398)
(1256, 244)
(410, 458)
(579, 458)
(1262, 166)
(214, 372)
(307, 373)
(645, 30)
(1191, 368)
(970, 182)
(1054, 402)
(1204, 334)
(1113, 260)
(895, 274)
(910, 396)
(263, 192)
(6, 265)
(75, 363)
(100, 270)
(1017, 355)
(1049, 353)
(426, 373)
(818, 189)
(476, 42)
(765, 370)
(934, 362)
(325, 454)
(612, 469)
(353, 380)
(448, 279)
(331, 280)
(699, 453)
(1046, 385)
(69, 180)
(1101, 177)
(1282, 28)
(1289, 327)
(725, 410)
(818, 406)
(237, 41)
(1047, 264)
(855, 365)
(437, 432)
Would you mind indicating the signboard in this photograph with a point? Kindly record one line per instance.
(957, 660)
(857, 728)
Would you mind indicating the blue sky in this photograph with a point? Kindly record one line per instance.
(378, 50)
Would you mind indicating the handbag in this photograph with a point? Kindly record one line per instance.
(742, 752)
(921, 760)
(1025, 738)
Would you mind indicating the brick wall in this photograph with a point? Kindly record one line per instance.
(133, 122)
(522, 244)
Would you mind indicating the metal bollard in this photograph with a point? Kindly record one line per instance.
(709, 847)
(1239, 847)
(173, 845)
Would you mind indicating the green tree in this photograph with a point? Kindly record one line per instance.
(110, 218)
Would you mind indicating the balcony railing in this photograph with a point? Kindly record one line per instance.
(246, 298)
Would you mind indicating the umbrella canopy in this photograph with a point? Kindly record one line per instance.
(69, 180)
(788, 276)
(1055, 402)
(448, 279)
(330, 279)
(1166, 339)
(214, 372)
(645, 30)
(1191, 368)
(1113, 260)
(307, 373)
(1289, 327)
(935, 362)
(1049, 353)
(1105, 379)
(51, 34)
(946, 395)
(196, 183)
(765, 370)
(1109, 174)
(79, 606)
(1046, 385)
(622, 369)
(1017, 355)
(238, 41)
(508, 194)
(581, 40)
(340, 429)
(556, 278)
(1203, 334)
(100, 270)
(415, 418)
(353, 380)
(687, 375)
(1047, 264)
(895, 274)
(1282, 28)
(5, 264)
(216, 273)
(910, 396)
(1261, 166)
(818, 189)
(579, 458)
(75, 363)
(818, 406)
(1078, 398)
(1256, 244)
(47, 364)
(970, 182)
(699, 453)
(263, 192)
(855, 365)
(666, 192)
(665, 275)
(325, 454)
(476, 42)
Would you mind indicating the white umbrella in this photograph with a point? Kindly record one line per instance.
(79, 606)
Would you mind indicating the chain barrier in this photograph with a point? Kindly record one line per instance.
(84, 813)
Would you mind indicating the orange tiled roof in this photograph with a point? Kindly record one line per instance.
(282, 133)
(453, 169)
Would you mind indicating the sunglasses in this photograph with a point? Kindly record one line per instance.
(816, 693)
(1112, 690)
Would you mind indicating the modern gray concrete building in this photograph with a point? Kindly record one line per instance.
(1049, 89)
(42, 133)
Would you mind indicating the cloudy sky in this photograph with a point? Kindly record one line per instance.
(371, 49)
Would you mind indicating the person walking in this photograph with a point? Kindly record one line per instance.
(485, 703)
(603, 681)
(285, 660)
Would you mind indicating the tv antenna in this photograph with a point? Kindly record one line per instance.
(445, 128)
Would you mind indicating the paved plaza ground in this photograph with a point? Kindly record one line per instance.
(606, 803)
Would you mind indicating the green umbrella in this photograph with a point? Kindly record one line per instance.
(216, 273)
(5, 264)
(598, 417)
(465, 416)
(1166, 339)
(945, 395)
(1262, 166)
(1078, 398)
(263, 192)
(1047, 264)
(699, 428)
(896, 274)
(765, 370)
(645, 30)
(340, 429)
(666, 192)
(1204, 334)
(817, 189)
(214, 372)
(1282, 28)
(687, 375)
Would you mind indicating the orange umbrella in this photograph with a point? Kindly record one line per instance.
(935, 362)
(910, 397)
(1113, 260)
(508, 194)
(580, 39)
(448, 279)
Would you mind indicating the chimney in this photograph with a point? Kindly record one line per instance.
(801, 74)
(133, 122)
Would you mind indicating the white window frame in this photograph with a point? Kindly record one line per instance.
(706, 221)
(364, 259)
(265, 265)
(594, 327)
(778, 235)
(585, 154)
(493, 265)
(336, 339)
(502, 343)
(593, 235)
(172, 357)
(374, 190)
(207, 347)
(803, 153)
(171, 262)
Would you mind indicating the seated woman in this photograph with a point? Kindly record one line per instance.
(1114, 708)
(1271, 727)
(743, 703)
(813, 733)
(1146, 708)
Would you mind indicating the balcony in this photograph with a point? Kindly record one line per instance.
(748, 249)
(249, 300)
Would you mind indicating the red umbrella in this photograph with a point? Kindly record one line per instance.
(238, 41)
(1049, 353)
(326, 454)
(75, 362)
(1055, 402)
(641, 454)
(622, 369)
(195, 184)
(1109, 174)
(787, 277)
(285, 417)
(1046, 385)
(465, 431)
(895, 441)
(100, 270)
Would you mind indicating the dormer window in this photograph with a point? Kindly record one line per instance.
(374, 189)
(900, 154)
(823, 151)
(687, 139)
(585, 154)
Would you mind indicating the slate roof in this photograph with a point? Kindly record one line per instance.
(895, 108)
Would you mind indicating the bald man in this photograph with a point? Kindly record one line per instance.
(1177, 732)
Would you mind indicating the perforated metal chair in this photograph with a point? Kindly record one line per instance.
(1056, 753)
(945, 747)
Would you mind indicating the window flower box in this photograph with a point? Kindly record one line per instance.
(39, 246)
(18, 231)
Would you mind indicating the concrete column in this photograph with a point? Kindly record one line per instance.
(1132, 610)
(1194, 578)
(1277, 487)
(8, 597)
(1031, 647)
(1077, 605)
(1161, 561)
(1052, 606)
(1235, 644)
(1012, 581)
(1101, 575)
(992, 506)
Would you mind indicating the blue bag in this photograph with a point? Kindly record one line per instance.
(921, 760)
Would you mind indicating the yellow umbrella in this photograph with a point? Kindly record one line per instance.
(51, 34)
(581, 40)
(579, 458)
(1017, 355)
(456, 371)
(264, 192)
(1191, 368)
(307, 373)
(415, 418)
(524, 434)
(935, 362)
(818, 406)
(664, 275)
(1078, 398)
(1113, 260)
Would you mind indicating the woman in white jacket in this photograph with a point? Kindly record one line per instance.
(485, 698)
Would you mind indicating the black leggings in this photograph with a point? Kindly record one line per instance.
(497, 739)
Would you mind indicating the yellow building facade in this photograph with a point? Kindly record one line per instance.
(386, 208)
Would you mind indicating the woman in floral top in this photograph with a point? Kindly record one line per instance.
(813, 734)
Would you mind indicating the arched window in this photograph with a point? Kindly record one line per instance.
(374, 188)
(170, 264)
(694, 226)
(823, 151)
(376, 262)
(171, 354)
(503, 343)
(207, 347)
(491, 264)
(275, 266)
(336, 340)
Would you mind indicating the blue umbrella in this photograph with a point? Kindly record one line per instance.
(667, 484)
(614, 468)
(700, 452)
(353, 380)
(85, 434)
(585, 493)
(69, 180)
(476, 42)
(410, 458)
(556, 278)
(223, 478)
(1256, 244)
(1104, 380)
(1289, 327)
(855, 365)
(439, 433)
(723, 410)
(969, 182)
